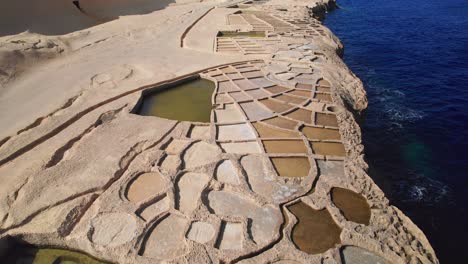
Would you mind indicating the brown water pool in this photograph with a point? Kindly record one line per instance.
(316, 231)
(269, 132)
(321, 133)
(291, 166)
(285, 146)
(353, 205)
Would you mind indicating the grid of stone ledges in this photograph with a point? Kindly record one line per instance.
(245, 45)
(275, 23)
(241, 84)
(258, 22)
(304, 24)
(245, 99)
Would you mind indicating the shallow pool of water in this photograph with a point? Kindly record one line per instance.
(189, 101)
(315, 231)
(32, 255)
(353, 205)
(291, 166)
(233, 34)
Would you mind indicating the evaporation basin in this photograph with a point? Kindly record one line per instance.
(189, 101)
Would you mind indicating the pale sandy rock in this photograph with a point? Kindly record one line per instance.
(266, 219)
(329, 167)
(315, 106)
(113, 229)
(230, 113)
(257, 93)
(166, 240)
(171, 163)
(255, 111)
(200, 132)
(64, 216)
(355, 255)
(73, 176)
(20, 52)
(239, 96)
(285, 76)
(241, 147)
(289, 54)
(201, 153)
(262, 82)
(232, 236)
(201, 232)
(155, 209)
(264, 182)
(65, 167)
(145, 186)
(235, 132)
(286, 261)
(222, 99)
(110, 79)
(245, 84)
(190, 186)
(225, 172)
(277, 68)
(176, 146)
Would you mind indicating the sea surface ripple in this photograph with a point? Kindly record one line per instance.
(413, 59)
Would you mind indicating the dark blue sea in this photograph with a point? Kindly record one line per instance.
(413, 59)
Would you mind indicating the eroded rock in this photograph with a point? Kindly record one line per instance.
(190, 187)
(264, 182)
(225, 172)
(145, 186)
(232, 236)
(201, 232)
(113, 229)
(201, 153)
(167, 239)
(266, 220)
(153, 210)
(355, 255)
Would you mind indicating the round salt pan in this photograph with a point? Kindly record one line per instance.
(145, 186)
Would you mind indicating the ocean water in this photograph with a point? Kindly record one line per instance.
(413, 59)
